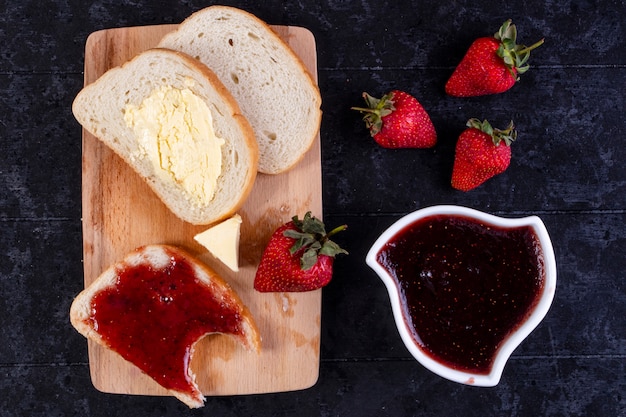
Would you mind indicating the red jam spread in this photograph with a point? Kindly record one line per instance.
(151, 317)
(465, 286)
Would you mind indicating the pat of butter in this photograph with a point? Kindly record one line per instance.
(222, 240)
(174, 128)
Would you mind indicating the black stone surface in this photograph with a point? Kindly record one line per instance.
(568, 168)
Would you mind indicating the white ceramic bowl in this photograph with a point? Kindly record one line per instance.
(510, 344)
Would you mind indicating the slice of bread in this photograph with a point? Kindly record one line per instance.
(275, 91)
(101, 109)
(92, 315)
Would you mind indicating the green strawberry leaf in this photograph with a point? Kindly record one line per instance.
(302, 240)
(376, 109)
(508, 135)
(313, 225)
(308, 259)
(514, 56)
(310, 235)
(330, 248)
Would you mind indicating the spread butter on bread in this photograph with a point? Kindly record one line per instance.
(173, 121)
(153, 306)
(275, 91)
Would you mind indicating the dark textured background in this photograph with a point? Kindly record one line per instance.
(568, 168)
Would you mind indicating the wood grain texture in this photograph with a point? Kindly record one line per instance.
(120, 212)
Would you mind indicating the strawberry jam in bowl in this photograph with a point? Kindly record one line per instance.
(466, 287)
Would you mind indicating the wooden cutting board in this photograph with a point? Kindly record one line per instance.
(120, 213)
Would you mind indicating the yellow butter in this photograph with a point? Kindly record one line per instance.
(174, 128)
(222, 240)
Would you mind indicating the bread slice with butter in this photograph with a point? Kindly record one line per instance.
(153, 306)
(222, 240)
(275, 91)
(173, 121)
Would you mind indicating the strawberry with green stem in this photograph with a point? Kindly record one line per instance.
(481, 153)
(299, 257)
(398, 120)
(491, 65)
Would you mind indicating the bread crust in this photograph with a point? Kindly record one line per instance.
(280, 148)
(99, 108)
(158, 255)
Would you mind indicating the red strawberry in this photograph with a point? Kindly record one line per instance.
(299, 257)
(398, 120)
(491, 65)
(481, 153)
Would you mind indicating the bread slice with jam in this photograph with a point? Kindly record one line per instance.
(153, 306)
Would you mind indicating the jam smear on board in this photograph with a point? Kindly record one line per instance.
(151, 317)
(465, 286)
